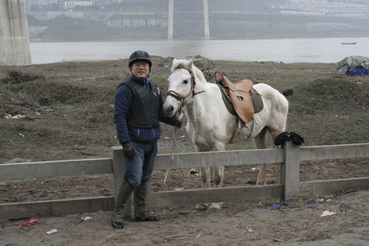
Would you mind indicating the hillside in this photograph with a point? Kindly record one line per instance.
(67, 108)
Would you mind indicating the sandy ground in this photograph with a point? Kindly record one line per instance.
(297, 222)
(238, 223)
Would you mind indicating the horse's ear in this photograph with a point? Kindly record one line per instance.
(190, 62)
(174, 64)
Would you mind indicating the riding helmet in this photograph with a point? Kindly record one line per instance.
(139, 55)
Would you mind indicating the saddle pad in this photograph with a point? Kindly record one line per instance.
(257, 102)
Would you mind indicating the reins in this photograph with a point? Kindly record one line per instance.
(174, 147)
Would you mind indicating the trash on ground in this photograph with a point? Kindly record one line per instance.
(52, 231)
(342, 207)
(29, 224)
(250, 229)
(16, 117)
(319, 200)
(312, 206)
(327, 213)
(87, 218)
(273, 207)
(194, 171)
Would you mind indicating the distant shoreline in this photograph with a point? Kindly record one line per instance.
(39, 40)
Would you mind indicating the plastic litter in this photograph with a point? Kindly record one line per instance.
(52, 231)
(87, 218)
(312, 206)
(319, 200)
(273, 207)
(250, 229)
(342, 207)
(29, 224)
(254, 168)
(327, 213)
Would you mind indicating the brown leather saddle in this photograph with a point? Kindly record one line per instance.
(240, 94)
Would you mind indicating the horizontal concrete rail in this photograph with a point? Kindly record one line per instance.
(46, 169)
(290, 156)
(326, 152)
(222, 158)
(169, 198)
(178, 198)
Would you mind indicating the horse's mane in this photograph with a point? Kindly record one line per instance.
(189, 65)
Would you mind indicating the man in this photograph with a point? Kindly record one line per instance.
(138, 108)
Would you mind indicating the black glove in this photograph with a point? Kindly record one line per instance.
(128, 150)
(177, 122)
(287, 136)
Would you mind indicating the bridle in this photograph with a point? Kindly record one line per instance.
(180, 97)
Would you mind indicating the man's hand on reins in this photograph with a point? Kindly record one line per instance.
(177, 122)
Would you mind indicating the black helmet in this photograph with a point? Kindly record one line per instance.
(139, 55)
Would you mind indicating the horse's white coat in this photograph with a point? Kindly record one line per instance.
(211, 126)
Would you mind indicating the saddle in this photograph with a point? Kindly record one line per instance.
(240, 94)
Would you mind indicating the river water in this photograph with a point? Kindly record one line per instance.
(318, 50)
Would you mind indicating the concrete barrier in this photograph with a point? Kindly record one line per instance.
(14, 40)
(291, 188)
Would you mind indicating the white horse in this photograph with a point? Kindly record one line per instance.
(210, 125)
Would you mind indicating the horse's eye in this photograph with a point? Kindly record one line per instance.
(185, 81)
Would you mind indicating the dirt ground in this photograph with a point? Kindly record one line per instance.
(321, 120)
(298, 222)
(237, 223)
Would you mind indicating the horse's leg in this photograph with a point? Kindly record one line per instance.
(218, 177)
(205, 182)
(218, 173)
(205, 177)
(274, 134)
(259, 142)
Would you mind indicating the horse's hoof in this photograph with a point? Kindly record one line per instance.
(201, 206)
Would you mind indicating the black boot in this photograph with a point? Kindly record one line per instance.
(142, 209)
(121, 201)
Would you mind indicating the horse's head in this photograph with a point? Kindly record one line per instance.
(181, 86)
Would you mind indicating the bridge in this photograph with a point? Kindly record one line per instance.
(170, 19)
(14, 40)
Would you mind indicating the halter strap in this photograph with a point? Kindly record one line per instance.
(178, 96)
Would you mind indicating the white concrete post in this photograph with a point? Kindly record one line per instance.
(14, 40)
(290, 174)
(170, 19)
(206, 19)
(119, 167)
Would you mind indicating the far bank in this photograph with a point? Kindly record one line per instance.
(312, 50)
